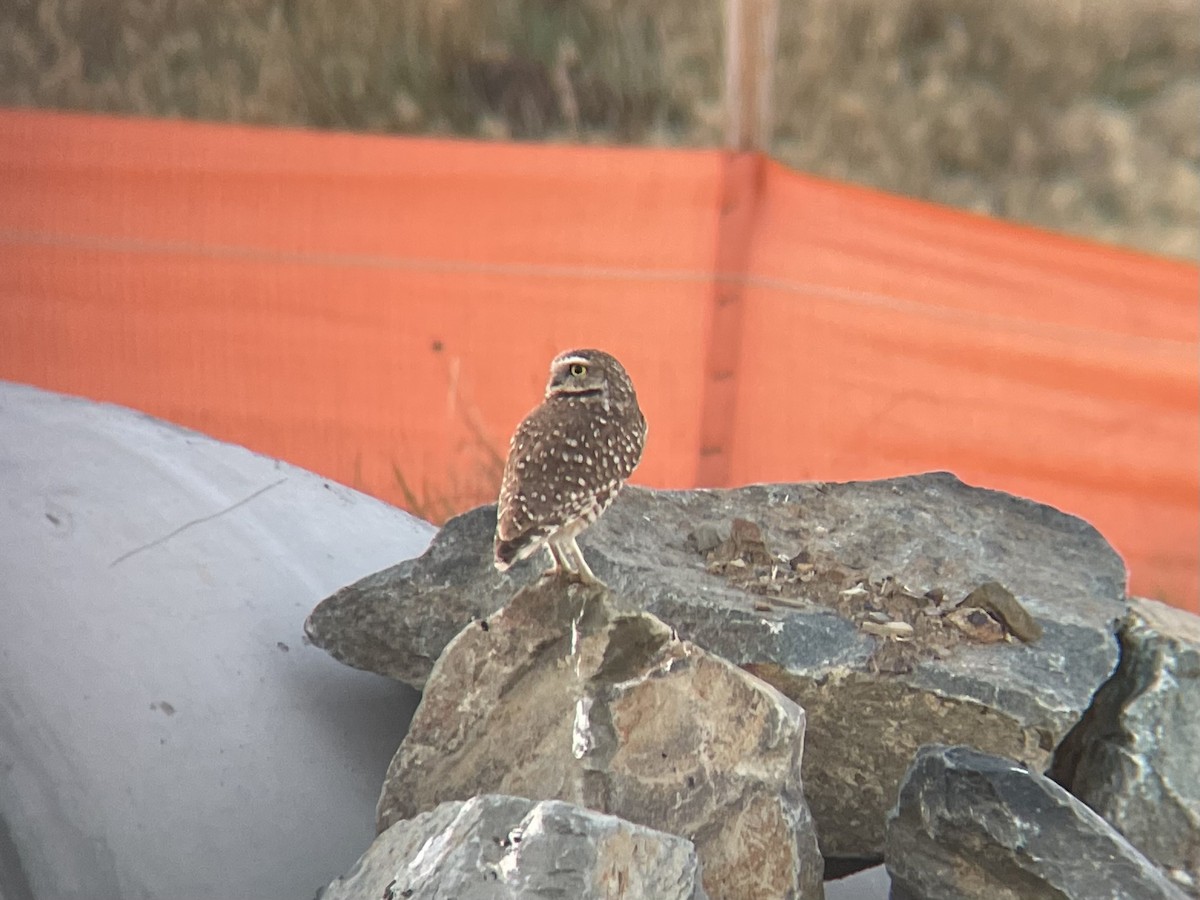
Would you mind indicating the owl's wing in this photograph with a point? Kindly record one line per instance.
(631, 462)
(526, 450)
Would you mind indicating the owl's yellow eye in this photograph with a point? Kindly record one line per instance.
(578, 370)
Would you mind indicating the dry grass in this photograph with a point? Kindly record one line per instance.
(1078, 115)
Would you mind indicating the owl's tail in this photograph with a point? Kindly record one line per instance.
(505, 554)
(521, 547)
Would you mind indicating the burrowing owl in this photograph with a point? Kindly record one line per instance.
(568, 460)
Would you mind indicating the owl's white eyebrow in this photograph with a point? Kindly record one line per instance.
(572, 360)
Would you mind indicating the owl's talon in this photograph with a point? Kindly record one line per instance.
(580, 578)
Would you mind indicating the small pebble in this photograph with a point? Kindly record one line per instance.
(896, 631)
(996, 599)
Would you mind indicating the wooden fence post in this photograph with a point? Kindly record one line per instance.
(750, 32)
(751, 28)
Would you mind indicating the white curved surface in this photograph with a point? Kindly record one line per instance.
(869, 884)
(164, 730)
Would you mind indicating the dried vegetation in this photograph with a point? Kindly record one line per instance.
(1077, 116)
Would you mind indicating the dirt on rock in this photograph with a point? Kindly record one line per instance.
(908, 624)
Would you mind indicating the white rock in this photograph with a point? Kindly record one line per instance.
(164, 729)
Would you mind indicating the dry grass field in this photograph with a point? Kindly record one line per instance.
(1078, 115)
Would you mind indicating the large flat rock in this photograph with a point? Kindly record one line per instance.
(799, 609)
(164, 729)
(564, 694)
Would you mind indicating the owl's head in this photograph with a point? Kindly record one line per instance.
(590, 374)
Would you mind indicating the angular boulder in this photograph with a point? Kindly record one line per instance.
(968, 824)
(796, 598)
(1135, 758)
(563, 695)
(495, 847)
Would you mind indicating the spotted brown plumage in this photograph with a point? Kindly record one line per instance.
(568, 460)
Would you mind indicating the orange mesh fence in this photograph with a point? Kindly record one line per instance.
(382, 310)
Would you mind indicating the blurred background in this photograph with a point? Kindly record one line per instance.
(831, 239)
(1082, 116)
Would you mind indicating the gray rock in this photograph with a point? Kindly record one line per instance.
(495, 847)
(871, 702)
(1135, 758)
(561, 695)
(968, 824)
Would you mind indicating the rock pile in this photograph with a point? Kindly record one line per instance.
(1135, 756)
(890, 615)
(561, 695)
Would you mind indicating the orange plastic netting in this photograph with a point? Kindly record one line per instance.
(381, 310)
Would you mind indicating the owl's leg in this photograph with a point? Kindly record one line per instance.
(560, 563)
(582, 570)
